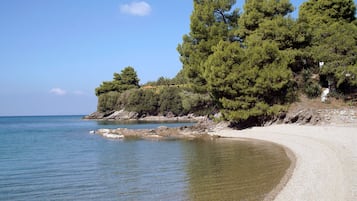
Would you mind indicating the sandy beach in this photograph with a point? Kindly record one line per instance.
(326, 159)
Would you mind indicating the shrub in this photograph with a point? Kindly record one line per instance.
(170, 101)
(196, 103)
(108, 101)
(312, 89)
(144, 102)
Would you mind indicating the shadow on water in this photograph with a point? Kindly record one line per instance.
(233, 170)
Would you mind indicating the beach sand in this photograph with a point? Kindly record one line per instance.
(326, 159)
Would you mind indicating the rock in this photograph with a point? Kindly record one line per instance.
(321, 116)
(305, 116)
(123, 115)
(113, 115)
(103, 131)
(113, 136)
(95, 115)
(170, 115)
(199, 130)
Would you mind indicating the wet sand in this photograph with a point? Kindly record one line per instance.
(326, 159)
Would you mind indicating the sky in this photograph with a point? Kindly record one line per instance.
(54, 53)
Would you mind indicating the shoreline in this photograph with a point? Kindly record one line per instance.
(288, 174)
(326, 159)
(323, 157)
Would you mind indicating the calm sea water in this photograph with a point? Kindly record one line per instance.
(55, 158)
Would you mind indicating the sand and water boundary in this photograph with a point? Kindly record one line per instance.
(326, 159)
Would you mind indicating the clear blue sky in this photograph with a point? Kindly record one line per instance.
(54, 53)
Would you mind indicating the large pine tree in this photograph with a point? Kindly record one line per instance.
(211, 22)
(251, 78)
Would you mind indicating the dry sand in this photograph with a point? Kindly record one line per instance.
(326, 159)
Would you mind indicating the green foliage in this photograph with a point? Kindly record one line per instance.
(126, 80)
(211, 21)
(170, 101)
(108, 101)
(333, 29)
(162, 100)
(144, 102)
(251, 79)
(196, 103)
(338, 50)
(258, 11)
(180, 78)
(161, 81)
(252, 87)
(248, 65)
(312, 89)
(319, 12)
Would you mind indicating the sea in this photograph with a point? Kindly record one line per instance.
(56, 158)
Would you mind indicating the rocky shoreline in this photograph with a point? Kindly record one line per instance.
(205, 126)
(123, 115)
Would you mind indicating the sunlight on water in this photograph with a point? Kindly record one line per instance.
(55, 158)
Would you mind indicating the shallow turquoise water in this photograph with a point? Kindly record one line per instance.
(55, 158)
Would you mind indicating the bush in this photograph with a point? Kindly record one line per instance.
(312, 89)
(144, 102)
(160, 100)
(108, 101)
(170, 101)
(201, 104)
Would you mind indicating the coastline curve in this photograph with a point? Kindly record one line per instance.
(326, 159)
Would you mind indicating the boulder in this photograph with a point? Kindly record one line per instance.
(113, 115)
(304, 116)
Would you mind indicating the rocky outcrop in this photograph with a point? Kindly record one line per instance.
(305, 116)
(318, 117)
(113, 115)
(205, 127)
(199, 130)
(123, 115)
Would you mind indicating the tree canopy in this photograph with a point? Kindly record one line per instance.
(250, 65)
(126, 80)
(333, 30)
(211, 22)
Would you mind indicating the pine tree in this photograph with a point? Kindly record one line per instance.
(127, 79)
(211, 22)
(258, 11)
(332, 25)
(251, 78)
